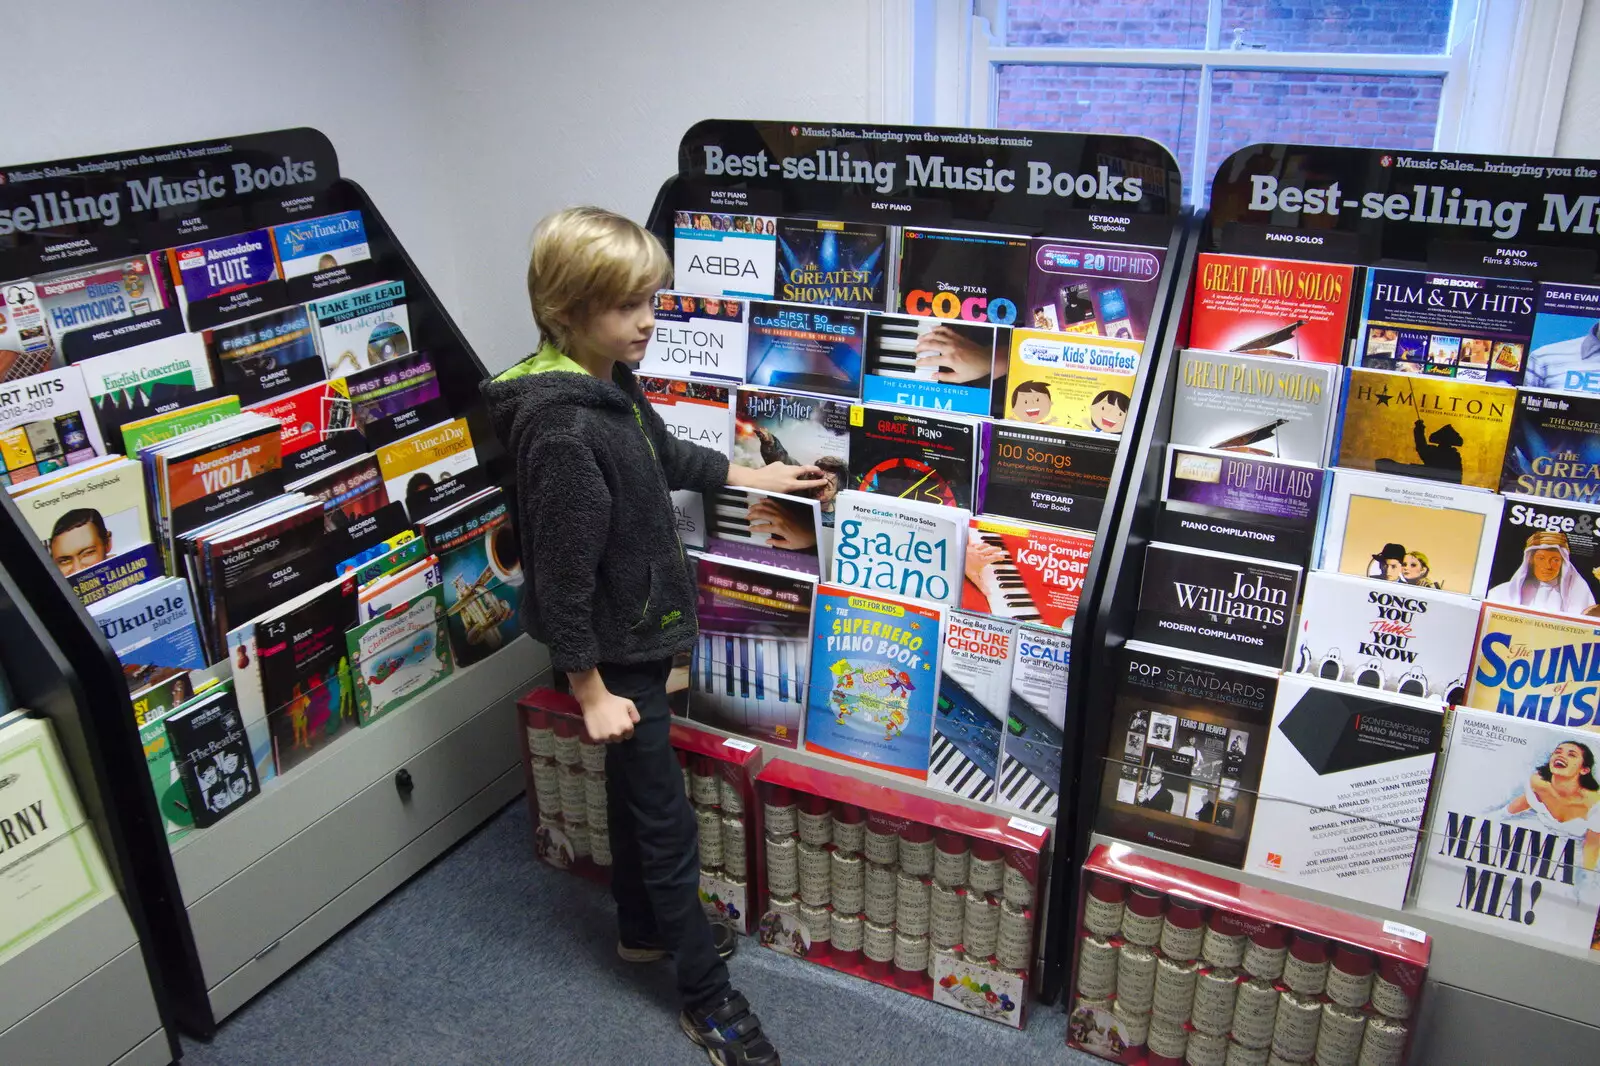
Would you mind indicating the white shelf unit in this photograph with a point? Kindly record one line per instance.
(269, 884)
(1489, 999)
(82, 995)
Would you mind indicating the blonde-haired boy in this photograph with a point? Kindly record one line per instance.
(610, 591)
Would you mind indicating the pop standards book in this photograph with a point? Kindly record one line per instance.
(1034, 474)
(1343, 789)
(1283, 308)
(874, 676)
(899, 547)
(1224, 605)
(1258, 405)
(1410, 530)
(1184, 757)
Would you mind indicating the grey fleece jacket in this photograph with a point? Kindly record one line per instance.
(609, 581)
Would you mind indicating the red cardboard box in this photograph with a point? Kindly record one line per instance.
(1267, 971)
(930, 897)
(569, 828)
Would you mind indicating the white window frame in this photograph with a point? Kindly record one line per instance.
(1504, 69)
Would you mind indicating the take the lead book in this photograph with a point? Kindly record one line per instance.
(1185, 754)
(1224, 605)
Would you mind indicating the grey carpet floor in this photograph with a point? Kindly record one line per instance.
(488, 956)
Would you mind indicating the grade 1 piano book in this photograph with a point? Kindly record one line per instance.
(1025, 573)
(749, 669)
(874, 677)
(974, 696)
(899, 547)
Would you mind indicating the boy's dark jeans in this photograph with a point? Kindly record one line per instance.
(655, 845)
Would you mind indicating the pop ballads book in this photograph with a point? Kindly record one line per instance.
(223, 265)
(88, 516)
(1409, 639)
(970, 277)
(751, 662)
(969, 719)
(1526, 664)
(1510, 845)
(1224, 605)
(145, 380)
(781, 427)
(697, 337)
(725, 255)
(1025, 573)
(398, 655)
(1099, 290)
(315, 245)
(1036, 715)
(1562, 351)
(792, 346)
(837, 264)
(1255, 404)
(413, 465)
(1554, 450)
(1343, 789)
(931, 362)
(874, 676)
(363, 328)
(1407, 425)
(1183, 760)
(390, 400)
(1283, 308)
(1057, 379)
(1244, 504)
(1410, 531)
(912, 455)
(267, 355)
(46, 422)
(1450, 325)
(1546, 556)
(480, 561)
(899, 547)
(211, 754)
(763, 527)
(1035, 474)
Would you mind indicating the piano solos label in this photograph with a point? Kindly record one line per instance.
(1273, 307)
(1258, 405)
(1025, 573)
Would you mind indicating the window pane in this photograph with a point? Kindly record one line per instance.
(1387, 26)
(1106, 23)
(1161, 104)
(1356, 110)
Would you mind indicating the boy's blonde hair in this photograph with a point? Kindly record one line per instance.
(586, 260)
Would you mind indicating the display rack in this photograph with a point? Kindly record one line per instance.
(232, 907)
(90, 991)
(1491, 998)
(818, 183)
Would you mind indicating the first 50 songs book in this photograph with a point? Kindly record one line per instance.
(1223, 605)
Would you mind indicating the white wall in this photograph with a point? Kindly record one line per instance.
(168, 71)
(552, 104)
(1579, 132)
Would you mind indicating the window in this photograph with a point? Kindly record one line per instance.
(1207, 77)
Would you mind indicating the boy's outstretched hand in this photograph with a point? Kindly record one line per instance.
(778, 477)
(607, 717)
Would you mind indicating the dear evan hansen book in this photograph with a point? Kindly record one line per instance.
(874, 676)
(904, 548)
(838, 264)
(1515, 808)
(1223, 605)
(974, 693)
(1554, 450)
(1033, 474)
(1343, 789)
(1184, 755)
(1282, 308)
(697, 336)
(1266, 508)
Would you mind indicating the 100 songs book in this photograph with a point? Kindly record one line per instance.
(1223, 605)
